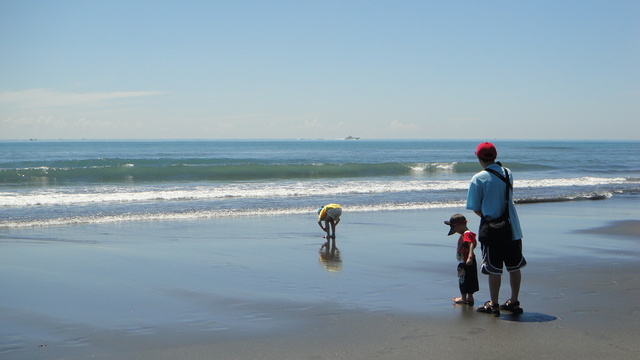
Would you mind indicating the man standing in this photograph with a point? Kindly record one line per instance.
(488, 198)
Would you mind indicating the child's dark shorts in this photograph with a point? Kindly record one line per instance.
(507, 254)
(468, 277)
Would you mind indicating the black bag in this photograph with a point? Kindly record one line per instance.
(496, 231)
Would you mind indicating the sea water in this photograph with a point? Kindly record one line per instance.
(49, 183)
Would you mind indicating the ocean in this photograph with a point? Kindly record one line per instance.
(112, 249)
(52, 183)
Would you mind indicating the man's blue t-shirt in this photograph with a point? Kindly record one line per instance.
(486, 194)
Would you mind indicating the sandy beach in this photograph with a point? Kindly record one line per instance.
(261, 288)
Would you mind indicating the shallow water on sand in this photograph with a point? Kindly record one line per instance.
(266, 273)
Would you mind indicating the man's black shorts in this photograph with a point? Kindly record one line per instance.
(507, 254)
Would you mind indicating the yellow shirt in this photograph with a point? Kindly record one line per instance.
(323, 212)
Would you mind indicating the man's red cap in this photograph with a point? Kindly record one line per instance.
(486, 151)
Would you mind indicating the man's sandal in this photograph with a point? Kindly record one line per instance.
(513, 306)
(487, 308)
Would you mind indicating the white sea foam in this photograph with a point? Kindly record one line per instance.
(439, 167)
(122, 194)
(212, 214)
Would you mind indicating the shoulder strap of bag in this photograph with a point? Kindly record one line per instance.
(508, 187)
(505, 179)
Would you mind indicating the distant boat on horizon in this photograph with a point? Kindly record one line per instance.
(352, 138)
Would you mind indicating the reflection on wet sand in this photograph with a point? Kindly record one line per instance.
(329, 257)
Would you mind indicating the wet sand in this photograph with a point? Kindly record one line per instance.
(261, 288)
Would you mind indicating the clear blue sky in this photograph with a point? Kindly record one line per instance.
(320, 69)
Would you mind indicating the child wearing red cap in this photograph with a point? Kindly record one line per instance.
(467, 266)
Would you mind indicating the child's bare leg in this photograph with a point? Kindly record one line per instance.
(333, 228)
(327, 228)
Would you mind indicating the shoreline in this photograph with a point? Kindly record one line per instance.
(246, 288)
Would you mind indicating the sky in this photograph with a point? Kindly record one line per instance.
(543, 69)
